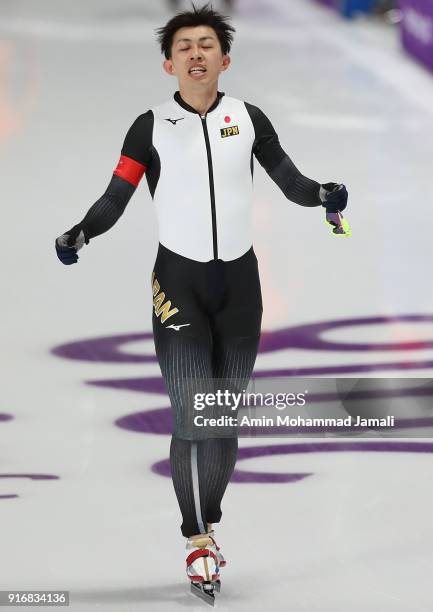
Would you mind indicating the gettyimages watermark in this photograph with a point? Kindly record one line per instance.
(230, 398)
(285, 407)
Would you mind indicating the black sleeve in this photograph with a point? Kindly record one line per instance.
(270, 154)
(138, 140)
(106, 211)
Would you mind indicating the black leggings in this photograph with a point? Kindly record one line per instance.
(206, 326)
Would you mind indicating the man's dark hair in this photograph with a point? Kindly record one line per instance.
(206, 16)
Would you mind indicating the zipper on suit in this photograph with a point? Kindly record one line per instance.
(211, 187)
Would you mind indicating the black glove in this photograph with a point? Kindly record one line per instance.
(334, 197)
(69, 243)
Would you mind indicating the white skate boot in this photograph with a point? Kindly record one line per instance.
(202, 567)
(221, 562)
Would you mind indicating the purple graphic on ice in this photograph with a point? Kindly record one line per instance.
(9, 417)
(307, 337)
(304, 337)
(31, 476)
(5, 417)
(163, 467)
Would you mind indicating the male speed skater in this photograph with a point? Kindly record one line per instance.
(197, 152)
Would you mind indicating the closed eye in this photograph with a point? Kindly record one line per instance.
(187, 48)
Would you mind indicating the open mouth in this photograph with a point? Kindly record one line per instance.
(197, 70)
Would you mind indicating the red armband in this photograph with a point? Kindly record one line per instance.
(130, 170)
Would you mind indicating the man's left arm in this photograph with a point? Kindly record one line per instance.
(295, 186)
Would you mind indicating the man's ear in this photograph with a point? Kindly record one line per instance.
(225, 62)
(168, 67)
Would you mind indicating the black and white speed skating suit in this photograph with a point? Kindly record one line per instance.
(207, 303)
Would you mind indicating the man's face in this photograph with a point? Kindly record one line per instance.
(196, 57)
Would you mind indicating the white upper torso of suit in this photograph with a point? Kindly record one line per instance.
(183, 193)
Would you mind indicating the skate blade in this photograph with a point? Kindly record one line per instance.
(207, 596)
(217, 585)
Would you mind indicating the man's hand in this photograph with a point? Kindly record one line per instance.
(334, 197)
(68, 244)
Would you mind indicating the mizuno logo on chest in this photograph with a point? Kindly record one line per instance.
(174, 121)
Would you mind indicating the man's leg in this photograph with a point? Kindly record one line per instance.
(235, 333)
(233, 365)
(187, 369)
(202, 348)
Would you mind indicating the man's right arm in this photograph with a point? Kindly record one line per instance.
(105, 212)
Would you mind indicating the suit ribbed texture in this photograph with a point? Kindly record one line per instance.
(106, 211)
(209, 344)
(202, 459)
(295, 186)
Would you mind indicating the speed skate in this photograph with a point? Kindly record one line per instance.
(203, 567)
